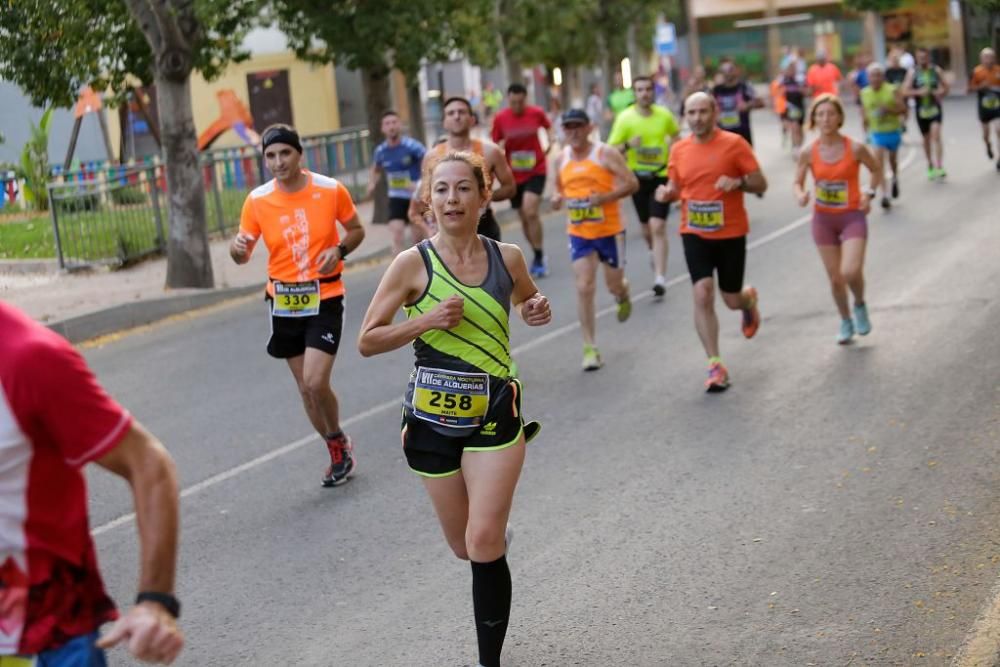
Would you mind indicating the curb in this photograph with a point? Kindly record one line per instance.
(26, 266)
(139, 313)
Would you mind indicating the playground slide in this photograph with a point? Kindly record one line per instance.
(233, 116)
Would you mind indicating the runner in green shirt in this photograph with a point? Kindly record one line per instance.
(644, 132)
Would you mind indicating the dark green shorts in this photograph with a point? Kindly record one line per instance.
(433, 454)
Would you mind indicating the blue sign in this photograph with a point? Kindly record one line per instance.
(666, 39)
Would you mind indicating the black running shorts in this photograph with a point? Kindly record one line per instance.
(431, 454)
(646, 206)
(925, 123)
(534, 184)
(706, 257)
(399, 209)
(290, 336)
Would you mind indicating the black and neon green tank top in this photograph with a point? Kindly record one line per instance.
(458, 370)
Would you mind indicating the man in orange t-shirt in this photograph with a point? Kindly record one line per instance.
(296, 214)
(985, 82)
(709, 172)
(823, 76)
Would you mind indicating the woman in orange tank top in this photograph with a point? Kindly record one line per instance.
(839, 225)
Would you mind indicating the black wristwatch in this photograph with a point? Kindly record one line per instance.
(343, 250)
(165, 600)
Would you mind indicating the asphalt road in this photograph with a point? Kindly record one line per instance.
(836, 506)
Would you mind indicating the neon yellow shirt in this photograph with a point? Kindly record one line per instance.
(655, 130)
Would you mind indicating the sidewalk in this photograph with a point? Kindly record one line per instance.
(87, 304)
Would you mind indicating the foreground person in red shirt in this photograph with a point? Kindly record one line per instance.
(55, 419)
(516, 129)
(709, 172)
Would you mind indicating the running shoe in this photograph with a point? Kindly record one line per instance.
(846, 332)
(718, 378)
(886, 204)
(342, 462)
(659, 289)
(591, 358)
(751, 316)
(941, 173)
(624, 308)
(539, 268)
(861, 322)
(895, 189)
(931, 173)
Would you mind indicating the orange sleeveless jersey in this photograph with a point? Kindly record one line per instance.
(477, 148)
(837, 187)
(297, 227)
(580, 179)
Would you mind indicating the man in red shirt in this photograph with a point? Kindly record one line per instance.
(709, 172)
(54, 419)
(823, 76)
(516, 129)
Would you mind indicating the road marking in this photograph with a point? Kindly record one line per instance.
(396, 403)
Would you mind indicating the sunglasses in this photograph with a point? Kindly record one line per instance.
(573, 126)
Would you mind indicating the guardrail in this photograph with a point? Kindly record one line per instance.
(114, 215)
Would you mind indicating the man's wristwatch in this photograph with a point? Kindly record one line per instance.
(165, 600)
(343, 250)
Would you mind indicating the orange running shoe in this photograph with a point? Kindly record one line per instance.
(751, 316)
(718, 378)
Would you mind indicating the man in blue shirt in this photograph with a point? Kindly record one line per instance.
(399, 158)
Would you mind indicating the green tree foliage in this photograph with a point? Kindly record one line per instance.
(53, 49)
(873, 5)
(35, 164)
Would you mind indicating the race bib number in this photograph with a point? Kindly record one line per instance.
(729, 119)
(928, 111)
(991, 101)
(523, 160)
(581, 211)
(400, 180)
(832, 193)
(705, 216)
(451, 398)
(295, 299)
(650, 156)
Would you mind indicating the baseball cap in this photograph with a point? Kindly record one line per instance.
(575, 116)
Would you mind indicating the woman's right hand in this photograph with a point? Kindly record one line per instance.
(447, 314)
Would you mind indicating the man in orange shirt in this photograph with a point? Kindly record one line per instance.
(823, 76)
(591, 178)
(985, 81)
(297, 213)
(709, 172)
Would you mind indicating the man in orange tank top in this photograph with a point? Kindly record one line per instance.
(297, 214)
(458, 123)
(590, 179)
(709, 172)
(985, 82)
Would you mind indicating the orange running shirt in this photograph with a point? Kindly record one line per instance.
(297, 227)
(823, 78)
(837, 189)
(580, 179)
(476, 147)
(695, 168)
(990, 77)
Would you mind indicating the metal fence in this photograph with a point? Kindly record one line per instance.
(112, 214)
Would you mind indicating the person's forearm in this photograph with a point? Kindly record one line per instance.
(504, 192)
(154, 490)
(353, 238)
(389, 337)
(755, 184)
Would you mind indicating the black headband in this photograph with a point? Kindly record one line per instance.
(279, 135)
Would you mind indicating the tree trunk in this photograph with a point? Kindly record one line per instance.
(417, 129)
(375, 86)
(189, 262)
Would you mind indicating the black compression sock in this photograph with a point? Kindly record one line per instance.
(539, 254)
(491, 602)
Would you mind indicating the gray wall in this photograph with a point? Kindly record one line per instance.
(16, 114)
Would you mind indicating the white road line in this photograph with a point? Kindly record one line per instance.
(396, 402)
